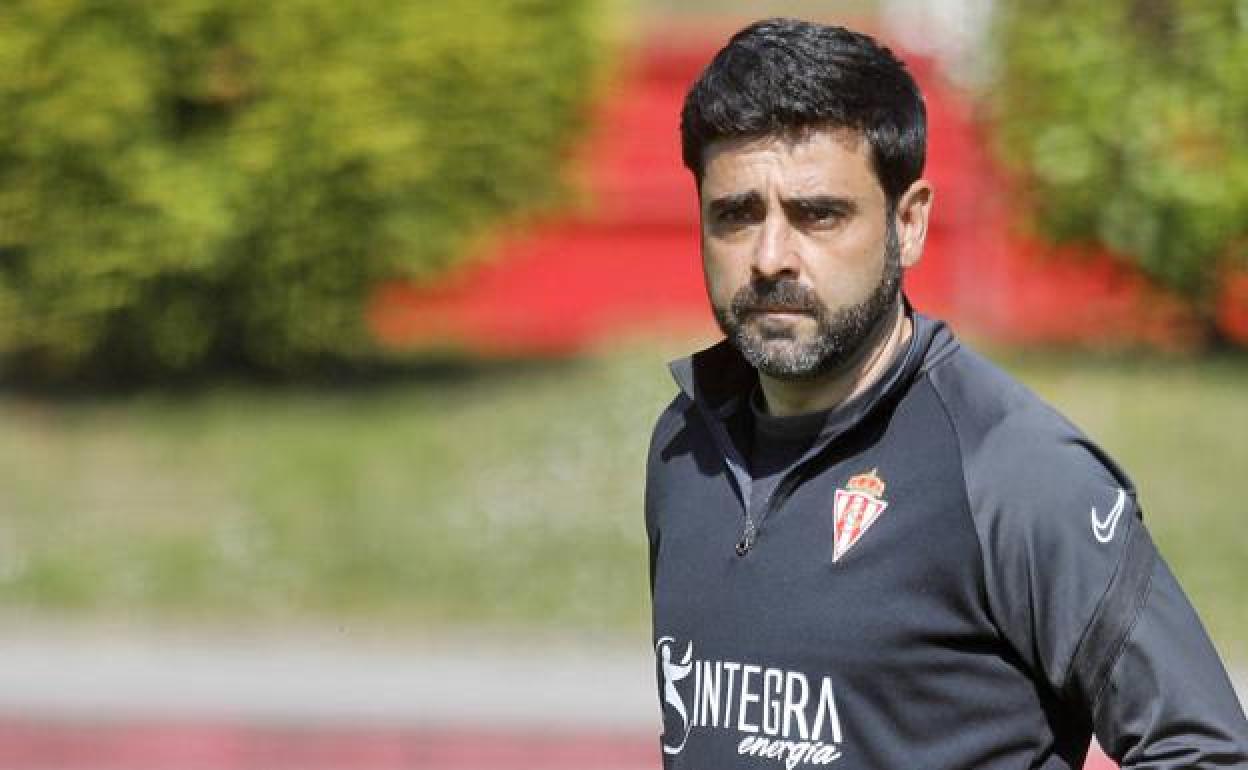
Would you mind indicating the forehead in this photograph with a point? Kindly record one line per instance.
(811, 162)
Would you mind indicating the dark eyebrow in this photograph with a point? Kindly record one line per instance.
(826, 202)
(734, 201)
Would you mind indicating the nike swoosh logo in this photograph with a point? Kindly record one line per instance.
(1104, 530)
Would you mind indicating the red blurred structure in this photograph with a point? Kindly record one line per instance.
(208, 746)
(629, 260)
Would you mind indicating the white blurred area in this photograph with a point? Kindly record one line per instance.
(954, 33)
(467, 681)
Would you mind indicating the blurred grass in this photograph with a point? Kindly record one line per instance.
(488, 494)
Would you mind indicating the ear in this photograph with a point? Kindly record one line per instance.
(913, 209)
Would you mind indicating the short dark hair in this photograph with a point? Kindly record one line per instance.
(781, 76)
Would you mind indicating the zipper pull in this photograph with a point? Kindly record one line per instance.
(747, 539)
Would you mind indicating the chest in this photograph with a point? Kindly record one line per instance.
(868, 555)
(855, 631)
(868, 565)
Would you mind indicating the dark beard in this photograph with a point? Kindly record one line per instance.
(839, 336)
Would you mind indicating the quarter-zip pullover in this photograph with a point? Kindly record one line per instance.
(949, 575)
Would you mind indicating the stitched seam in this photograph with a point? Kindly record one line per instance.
(966, 489)
(1122, 645)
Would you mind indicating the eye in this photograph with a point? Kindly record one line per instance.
(736, 215)
(819, 214)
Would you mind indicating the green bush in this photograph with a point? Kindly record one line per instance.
(1127, 121)
(196, 183)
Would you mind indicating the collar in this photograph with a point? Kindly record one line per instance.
(719, 380)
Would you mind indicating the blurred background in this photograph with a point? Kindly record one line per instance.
(331, 337)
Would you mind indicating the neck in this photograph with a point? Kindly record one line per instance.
(786, 398)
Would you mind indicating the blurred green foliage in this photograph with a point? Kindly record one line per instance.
(1126, 119)
(197, 183)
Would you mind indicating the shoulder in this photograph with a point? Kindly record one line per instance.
(662, 474)
(668, 440)
(671, 421)
(1053, 512)
(1018, 452)
(1043, 496)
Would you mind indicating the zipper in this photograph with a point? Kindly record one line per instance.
(749, 534)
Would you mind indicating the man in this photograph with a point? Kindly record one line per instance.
(869, 547)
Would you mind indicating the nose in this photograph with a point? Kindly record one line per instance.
(774, 252)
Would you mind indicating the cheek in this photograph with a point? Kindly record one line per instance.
(723, 274)
(847, 273)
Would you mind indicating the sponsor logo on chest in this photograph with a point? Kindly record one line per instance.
(769, 713)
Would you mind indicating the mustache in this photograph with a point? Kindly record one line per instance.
(786, 296)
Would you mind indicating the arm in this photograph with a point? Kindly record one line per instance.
(1084, 596)
(1076, 587)
(1166, 701)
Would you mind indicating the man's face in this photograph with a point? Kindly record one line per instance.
(799, 249)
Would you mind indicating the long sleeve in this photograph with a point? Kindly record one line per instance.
(1078, 589)
(1168, 702)
(1088, 602)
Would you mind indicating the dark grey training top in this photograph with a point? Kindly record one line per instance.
(950, 575)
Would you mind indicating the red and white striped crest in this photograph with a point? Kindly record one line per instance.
(856, 509)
